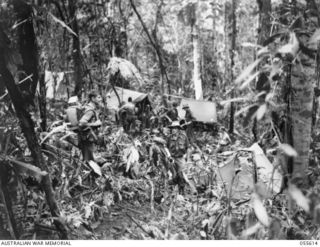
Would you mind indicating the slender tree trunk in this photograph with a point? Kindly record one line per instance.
(196, 57)
(155, 45)
(76, 52)
(226, 44)
(232, 63)
(213, 6)
(264, 20)
(313, 7)
(300, 106)
(301, 97)
(316, 102)
(123, 37)
(296, 127)
(264, 30)
(7, 206)
(43, 103)
(163, 72)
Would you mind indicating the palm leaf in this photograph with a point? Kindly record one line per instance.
(57, 129)
(63, 24)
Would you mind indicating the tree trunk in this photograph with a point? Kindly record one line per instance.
(43, 103)
(27, 48)
(316, 101)
(163, 72)
(5, 199)
(264, 20)
(27, 127)
(196, 57)
(313, 7)
(123, 38)
(156, 46)
(300, 105)
(76, 52)
(263, 34)
(232, 51)
(301, 117)
(213, 6)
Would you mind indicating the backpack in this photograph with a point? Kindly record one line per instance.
(74, 115)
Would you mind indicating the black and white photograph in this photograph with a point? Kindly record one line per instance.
(159, 120)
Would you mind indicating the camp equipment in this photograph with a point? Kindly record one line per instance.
(141, 100)
(203, 111)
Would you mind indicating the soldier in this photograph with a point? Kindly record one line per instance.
(73, 112)
(157, 153)
(119, 115)
(72, 116)
(189, 118)
(173, 112)
(128, 114)
(146, 115)
(89, 124)
(178, 146)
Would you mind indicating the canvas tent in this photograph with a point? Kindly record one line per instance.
(141, 101)
(124, 94)
(203, 111)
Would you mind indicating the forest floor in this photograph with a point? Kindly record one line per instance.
(238, 192)
(127, 221)
(228, 204)
(131, 221)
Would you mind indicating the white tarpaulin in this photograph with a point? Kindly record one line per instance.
(203, 111)
(124, 94)
(53, 81)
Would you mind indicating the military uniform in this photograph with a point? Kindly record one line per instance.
(88, 135)
(173, 114)
(178, 146)
(128, 116)
(189, 120)
(159, 156)
(73, 112)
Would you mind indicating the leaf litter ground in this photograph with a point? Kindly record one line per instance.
(126, 198)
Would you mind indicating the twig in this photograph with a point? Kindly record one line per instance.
(130, 209)
(85, 193)
(140, 226)
(242, 202)
(81, 185)
(151, 196)
(215, 224)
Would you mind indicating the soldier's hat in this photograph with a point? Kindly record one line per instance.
(185, 106)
